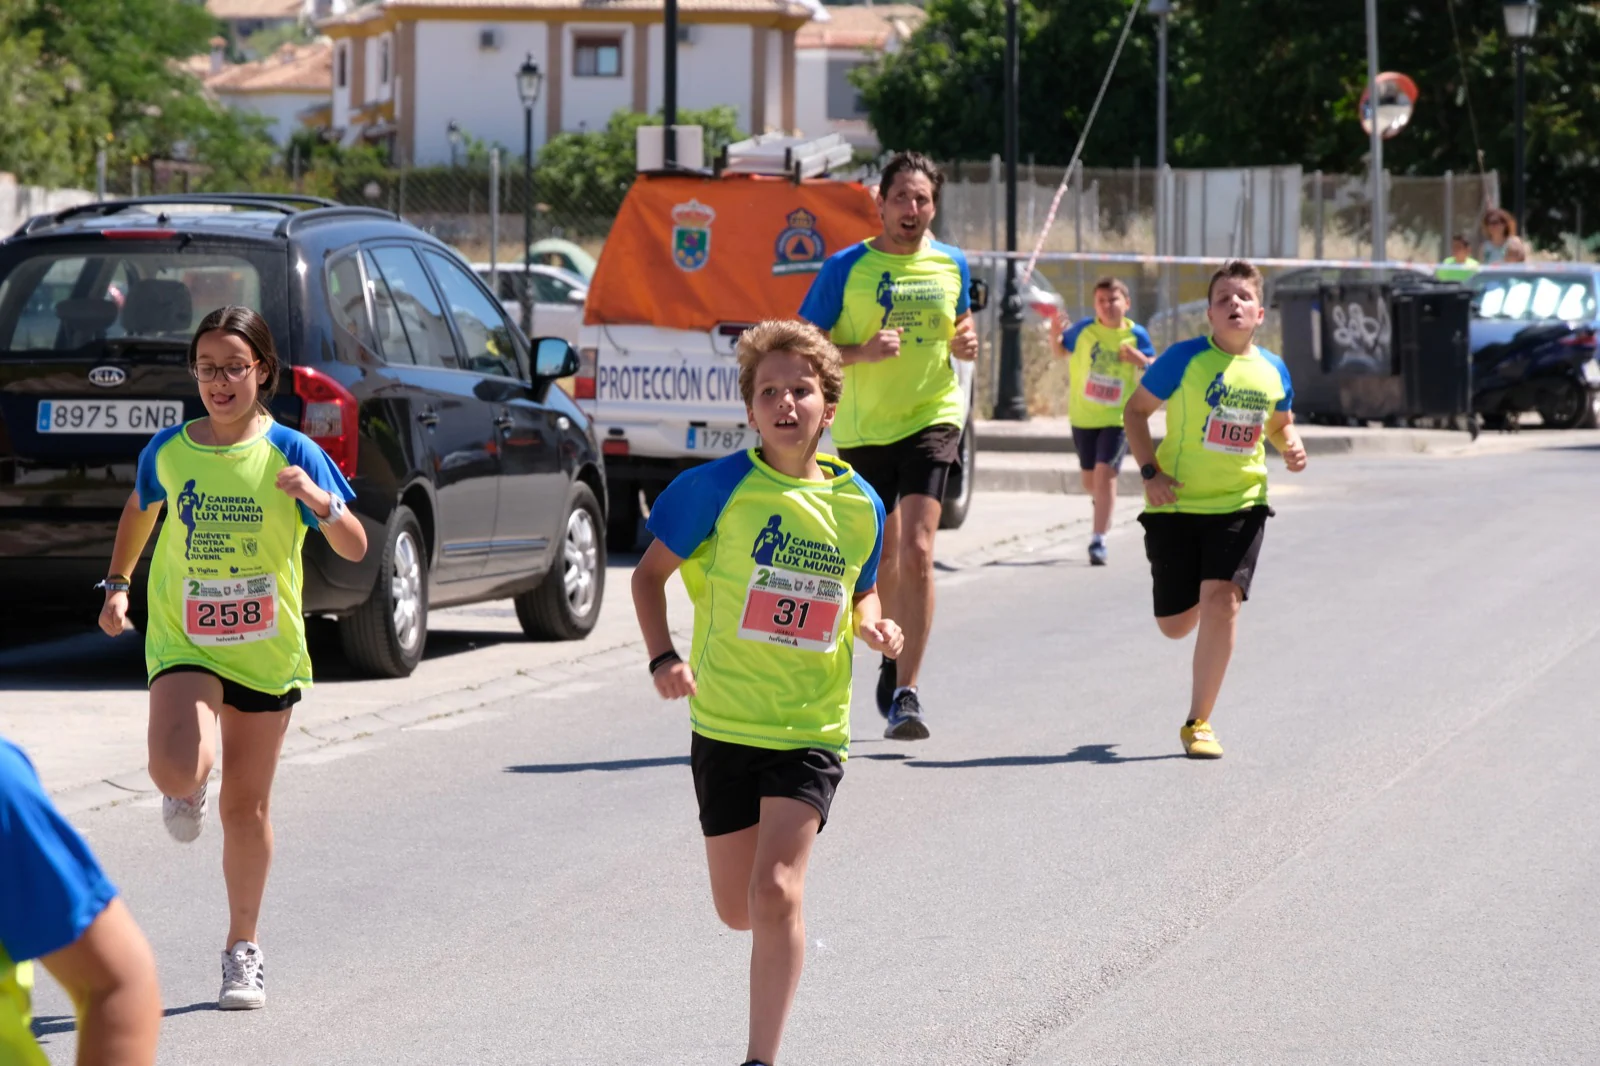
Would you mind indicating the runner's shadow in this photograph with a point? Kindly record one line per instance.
(614, 764)
(55, 1025)
(1099, 754)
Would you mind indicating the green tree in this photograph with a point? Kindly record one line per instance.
(125, 49)
(941, 94)
(52, 118)
(1257, 82)
(590, 173)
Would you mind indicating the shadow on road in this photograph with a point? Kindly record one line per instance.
(54, 1025)
(614, 764)
(1099, 754)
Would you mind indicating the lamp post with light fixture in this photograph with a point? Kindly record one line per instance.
(528, 82)
(1522, 17)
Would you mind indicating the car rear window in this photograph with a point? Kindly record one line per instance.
(112, 293)
(1534, 297)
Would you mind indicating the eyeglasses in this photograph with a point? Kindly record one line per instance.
(233, 371)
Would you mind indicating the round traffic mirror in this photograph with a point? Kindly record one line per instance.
(1397, 100)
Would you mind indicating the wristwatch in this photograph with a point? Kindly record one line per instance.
(1149, 470)
(336, 510)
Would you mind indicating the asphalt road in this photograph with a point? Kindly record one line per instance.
(1395, 862)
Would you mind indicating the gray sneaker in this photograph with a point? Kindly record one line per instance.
(1097, 553)
(905, 718)
(244, 978)
(185, 817)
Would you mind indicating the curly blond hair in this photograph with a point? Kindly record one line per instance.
(786, 335)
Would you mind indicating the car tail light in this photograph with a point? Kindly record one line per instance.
(583, 381)
(1580, 339)
(614, 447)
(138, 234)
(329, 417)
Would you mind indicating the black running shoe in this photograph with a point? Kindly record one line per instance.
(905, 718)
(886, 685)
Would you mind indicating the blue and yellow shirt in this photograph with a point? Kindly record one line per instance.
(51, 891)
(1102, 383)
(773, 565)
(860, 291)
(226, 577)
(1217, 409)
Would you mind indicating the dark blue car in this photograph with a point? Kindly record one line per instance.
(1533, 343)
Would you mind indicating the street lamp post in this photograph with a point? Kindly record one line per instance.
(1380, 223)
(453, 132)
(528, 80)
(1009, 402)
(1162, 10)
(1522, 17)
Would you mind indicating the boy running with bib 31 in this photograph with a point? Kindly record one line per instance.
(1206, 486)
(226, 642)
(1108, 353)
(779, 550)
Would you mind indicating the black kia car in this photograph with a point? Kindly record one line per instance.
(476, 477)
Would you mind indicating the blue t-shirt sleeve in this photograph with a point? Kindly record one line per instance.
(686, 512)
(1141, 341)
(824, 302)
(964, 301)
(1164, 375)
(52, 889)
(146, 482)
(869, 569)
(1288, 386)
(1069, 339)
(300, 450)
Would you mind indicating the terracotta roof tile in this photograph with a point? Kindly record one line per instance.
(254, 9)
(291, 69)
(860, 26)
(368, 12)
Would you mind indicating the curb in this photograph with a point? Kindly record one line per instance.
(134, 785)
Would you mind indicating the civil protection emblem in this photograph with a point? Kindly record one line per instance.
(691, 234)
(800, 247)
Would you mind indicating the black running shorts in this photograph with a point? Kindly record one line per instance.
(1186, 549)
(236, 695)
(731, 779)
(918, 465)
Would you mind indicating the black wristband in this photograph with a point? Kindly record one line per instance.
(663, 659)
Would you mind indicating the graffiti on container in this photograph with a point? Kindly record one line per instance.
(1361, 338)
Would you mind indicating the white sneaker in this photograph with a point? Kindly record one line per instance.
(244, 978)
(185, 817)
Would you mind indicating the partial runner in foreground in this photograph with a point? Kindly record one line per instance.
(897, 305)
(57, 906)
(779, 549)
(1206, 487)
(226, 642)
(1107, 354)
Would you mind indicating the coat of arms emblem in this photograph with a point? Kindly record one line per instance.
(691, 234)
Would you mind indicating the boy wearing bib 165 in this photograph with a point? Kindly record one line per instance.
(1206, 486)
(779, 549)
(1107, 354)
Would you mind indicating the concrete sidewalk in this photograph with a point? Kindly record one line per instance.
(1038, 455)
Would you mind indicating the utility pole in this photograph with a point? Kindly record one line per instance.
(1009, 402)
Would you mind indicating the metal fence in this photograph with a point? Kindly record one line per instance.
(1258, 211)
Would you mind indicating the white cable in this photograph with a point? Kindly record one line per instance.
(1049, 219)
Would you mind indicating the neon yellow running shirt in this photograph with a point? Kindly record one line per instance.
(1102, 383)
(860, 291)
(773, 565)
(225, 579)
(1217, 409)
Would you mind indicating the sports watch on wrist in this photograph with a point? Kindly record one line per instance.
(336, 510)
(1149, 470)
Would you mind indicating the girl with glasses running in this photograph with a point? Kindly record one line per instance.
(225, 646)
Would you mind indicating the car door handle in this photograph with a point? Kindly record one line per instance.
(428, 417)
(504, 420)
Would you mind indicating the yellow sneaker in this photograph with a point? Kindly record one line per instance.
(1199, 742)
